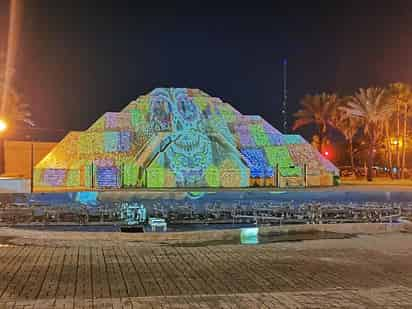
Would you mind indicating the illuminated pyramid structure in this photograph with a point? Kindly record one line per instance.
(179, 137)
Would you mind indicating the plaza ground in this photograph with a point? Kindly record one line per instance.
(377, 181)
(186, 270)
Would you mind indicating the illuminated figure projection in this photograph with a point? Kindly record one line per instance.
(189, 152)
(180, 137)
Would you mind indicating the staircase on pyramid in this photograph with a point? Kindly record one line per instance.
(179, 137)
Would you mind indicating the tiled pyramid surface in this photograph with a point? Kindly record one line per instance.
(177, 137)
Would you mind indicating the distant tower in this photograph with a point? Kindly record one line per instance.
(285, 96)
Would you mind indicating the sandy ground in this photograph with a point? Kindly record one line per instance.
(109, 271)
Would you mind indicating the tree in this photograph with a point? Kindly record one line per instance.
(401, 95)
(315, 142)
(372, 107)
(348, 126)
(319, 110)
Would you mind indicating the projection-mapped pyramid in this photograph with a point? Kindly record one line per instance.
(179, 137)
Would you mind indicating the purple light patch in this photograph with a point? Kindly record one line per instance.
(104, 162)
(245, 138)
(111, 120)
(54, 177)
(117, 120)
(107, 177)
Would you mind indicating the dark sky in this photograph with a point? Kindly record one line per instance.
(79, 59)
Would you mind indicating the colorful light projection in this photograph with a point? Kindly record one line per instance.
(279, 156)
(111, 140)
(176, 137)
(291, 139)
(259, 135)
(118, 121)
(303, 154)
(130, 174)
(107, 177)
(256, 161)
(73, 178)
(190, 153)
(155, 176)
(249, 236)
(245, 138)
(212, 176)
(54, 177)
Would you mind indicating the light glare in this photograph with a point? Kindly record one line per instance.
(3, 125)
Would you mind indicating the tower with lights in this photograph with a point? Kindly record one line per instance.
(285, 96)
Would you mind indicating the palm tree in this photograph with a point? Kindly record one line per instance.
(372, 108)
(348, 126)
(401, 94)
(319, 110)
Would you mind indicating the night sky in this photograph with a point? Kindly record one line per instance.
(78, 59)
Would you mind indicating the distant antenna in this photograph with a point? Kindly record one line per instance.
(285, 96)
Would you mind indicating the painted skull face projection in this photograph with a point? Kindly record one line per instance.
(190, 152)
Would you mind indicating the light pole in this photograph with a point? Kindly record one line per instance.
(31, 165)
(3, 128)
(31, 160)
(3, 125)
(396, 143)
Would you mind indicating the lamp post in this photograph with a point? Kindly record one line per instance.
(3, 125)
(31, 165)
(3, 129)
(396, 143)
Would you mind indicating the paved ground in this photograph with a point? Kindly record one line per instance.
(363, 272)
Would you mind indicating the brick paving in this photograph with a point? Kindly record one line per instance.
(364, 272)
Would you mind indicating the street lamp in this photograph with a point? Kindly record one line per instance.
(396, 142)
(3, 128)
(3, 125)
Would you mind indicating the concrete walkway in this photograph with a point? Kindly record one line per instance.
(369, 271)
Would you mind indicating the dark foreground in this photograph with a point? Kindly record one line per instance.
(106, 270)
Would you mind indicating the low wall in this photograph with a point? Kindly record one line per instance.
(14, 185)
(18, 156)
(346, 228)
(23, 236)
